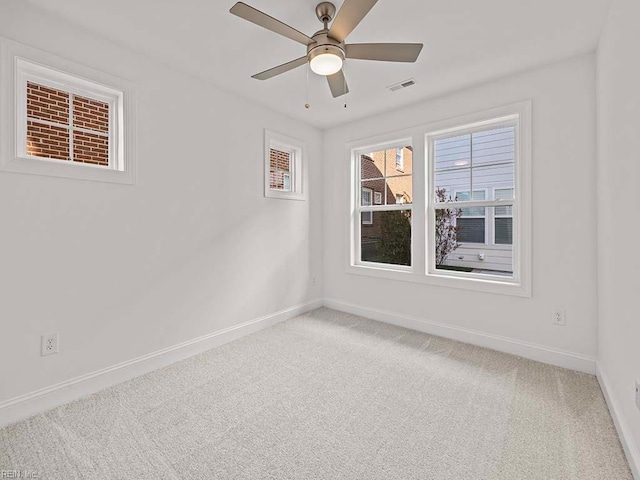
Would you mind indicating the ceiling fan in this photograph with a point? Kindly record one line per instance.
(326, 50)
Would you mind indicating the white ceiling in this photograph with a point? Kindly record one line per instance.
(466, 42)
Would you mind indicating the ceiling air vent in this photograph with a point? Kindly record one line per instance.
(401, 85)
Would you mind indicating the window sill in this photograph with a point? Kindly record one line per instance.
(442, 280)
(55, 168)
(269, 193)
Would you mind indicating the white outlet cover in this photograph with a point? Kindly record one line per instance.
(49, 344)
(638, 394)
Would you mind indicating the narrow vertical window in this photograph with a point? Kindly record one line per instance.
(385, 206)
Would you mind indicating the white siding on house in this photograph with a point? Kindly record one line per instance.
(483, 163)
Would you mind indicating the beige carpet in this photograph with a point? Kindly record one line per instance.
(331, 396)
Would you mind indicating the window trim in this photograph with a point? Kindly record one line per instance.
(297, 159)
(422, 188)
(19, 62)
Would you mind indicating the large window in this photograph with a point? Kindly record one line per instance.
(463, 219)
(384, 207)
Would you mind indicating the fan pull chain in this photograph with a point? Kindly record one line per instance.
(344, 76)
(307, 105)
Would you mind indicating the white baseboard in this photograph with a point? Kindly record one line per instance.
(628, 444)
(540, 353)
(24, 406)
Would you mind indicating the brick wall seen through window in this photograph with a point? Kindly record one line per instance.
(65, 126)
(279, 170)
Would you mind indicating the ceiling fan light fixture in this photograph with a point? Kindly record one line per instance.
(326, 59)
(326, 64)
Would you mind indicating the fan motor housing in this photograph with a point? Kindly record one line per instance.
(325, 44)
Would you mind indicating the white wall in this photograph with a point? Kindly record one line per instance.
(618, 205)
(193, 248)
(564, 222)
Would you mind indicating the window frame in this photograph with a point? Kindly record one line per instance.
(297, 160)
(19, 64)
(418, 137)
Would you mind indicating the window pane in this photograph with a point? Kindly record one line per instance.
(494, 146)
(399, 188)
(452, 153)
(387, 238)
(49, 104)
(90, 114)
(375, 189)
(488, 177)
(372, 165)
(47, 141)
(471, 230)
(449, 182)
(504, 231)
(89, 148)
(459, 244)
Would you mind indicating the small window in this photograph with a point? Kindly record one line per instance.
(70, 121)
(66, 126)
(400, 159)
(283, 167)
(378, 198)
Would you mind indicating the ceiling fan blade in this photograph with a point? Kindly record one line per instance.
(386, 52)
(337, 84)
(285, 67)
(243, 10)
(350, 15)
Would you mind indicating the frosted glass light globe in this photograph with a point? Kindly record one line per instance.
(326, 64)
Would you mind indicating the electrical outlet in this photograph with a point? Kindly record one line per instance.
(559, 318)
(638, 394)
(313, 281)
(50, 344)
